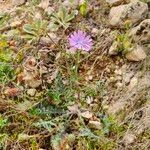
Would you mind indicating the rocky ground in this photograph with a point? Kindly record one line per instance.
(45, 103)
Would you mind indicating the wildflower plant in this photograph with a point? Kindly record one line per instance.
(79, 41)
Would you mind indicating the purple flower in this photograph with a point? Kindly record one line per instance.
(80, 40)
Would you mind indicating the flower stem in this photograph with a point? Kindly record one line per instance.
(77, 63)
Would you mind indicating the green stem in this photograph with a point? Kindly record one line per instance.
(77, 63)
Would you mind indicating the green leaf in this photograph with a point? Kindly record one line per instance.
(28, 37)
(83, 8)
(62, 13)
(53, 27)
(45, 124)
(3, 122)
(70, 17)
(3, 42)
(61, 18)
(29, 29)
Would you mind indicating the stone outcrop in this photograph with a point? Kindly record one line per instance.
(119, 15)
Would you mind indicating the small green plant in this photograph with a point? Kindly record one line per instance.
(4, 17)
(34, 2)
(110, 125)
(6, 73)
(45, 124)
(83, 7)
(61, 19)
(3, 138)
(3, 122)
(33, 32)
(6, 69)
(62, 94)
(124, 43)
(57, 91)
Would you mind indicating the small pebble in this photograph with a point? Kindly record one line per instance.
(119, 84)
(112, 79)
(31, 92)
(94, 31)
(129, 138)
(118, 72)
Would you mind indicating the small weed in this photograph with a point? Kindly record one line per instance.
(61, 19)
(83, 7)
(124, 43)
(6, 69)
(110, 125)
(33, 32)
(3, 138)
(3, 122)
(4, 17)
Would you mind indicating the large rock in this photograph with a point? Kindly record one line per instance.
(136, 54)
(133, 12)
(141, 33)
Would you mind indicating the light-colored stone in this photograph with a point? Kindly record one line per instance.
(141, 33)
(118, 72)
(119, 78)
(136, 54)
(119, 84)
(74, 3)
(87, 114)
(49, 10)
(113, 49)
(127, 77)
(94, 31)
(133, 12)
(95, 125)
(18, 2)
(129, 138)
(38, 15)
(133, 83)
(15, 24)
(44, 4)
(112, 79)
(31, 92)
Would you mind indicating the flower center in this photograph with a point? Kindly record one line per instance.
(79, 41)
